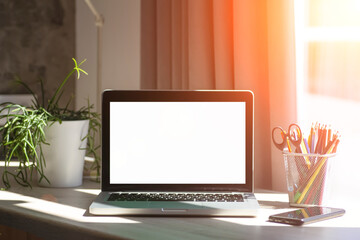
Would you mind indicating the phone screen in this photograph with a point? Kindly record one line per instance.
(307, 215)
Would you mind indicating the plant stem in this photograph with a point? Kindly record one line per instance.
(52, 100)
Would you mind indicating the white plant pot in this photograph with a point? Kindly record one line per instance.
(64, 157)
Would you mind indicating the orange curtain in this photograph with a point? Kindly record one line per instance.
(282, 80)
(187, 44)
(212, 44)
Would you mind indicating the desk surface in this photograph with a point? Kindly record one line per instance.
(53, 213)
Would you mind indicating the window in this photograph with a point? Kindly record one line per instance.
(327, 36)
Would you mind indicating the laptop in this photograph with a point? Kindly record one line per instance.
(173, 153)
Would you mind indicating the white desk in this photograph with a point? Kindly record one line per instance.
(52, 213)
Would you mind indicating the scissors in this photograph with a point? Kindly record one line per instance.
(281, 138)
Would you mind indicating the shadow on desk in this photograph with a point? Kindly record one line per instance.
(74, 197)
(71, 223)
(222, 228)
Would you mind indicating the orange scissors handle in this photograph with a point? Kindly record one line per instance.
(281, 138)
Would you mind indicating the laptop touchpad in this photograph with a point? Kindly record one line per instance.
(175, 205)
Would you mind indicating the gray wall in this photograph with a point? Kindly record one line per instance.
(37, 39)
(120, 47)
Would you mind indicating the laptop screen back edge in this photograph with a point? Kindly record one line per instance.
(113, 97)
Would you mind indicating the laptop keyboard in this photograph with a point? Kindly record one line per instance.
(193, 197)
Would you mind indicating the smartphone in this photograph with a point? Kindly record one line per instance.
(307, 215)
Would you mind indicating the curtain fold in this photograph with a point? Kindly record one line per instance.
(251, 72)
(164, 42)
(282, 80)
(223, 16)
(213, 44)
(177, 40)
(201, 45)
(148, 60)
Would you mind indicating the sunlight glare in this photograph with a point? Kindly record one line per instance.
(69, 212)
(58, 210)
(88, 191)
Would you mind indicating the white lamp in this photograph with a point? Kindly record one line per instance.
(99, 22)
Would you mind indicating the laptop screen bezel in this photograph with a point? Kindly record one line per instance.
(174, 96)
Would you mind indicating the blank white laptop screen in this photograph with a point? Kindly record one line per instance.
(177, 143)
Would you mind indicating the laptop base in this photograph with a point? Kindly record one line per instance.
(247, 208)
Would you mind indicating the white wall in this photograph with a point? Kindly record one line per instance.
(120, 48)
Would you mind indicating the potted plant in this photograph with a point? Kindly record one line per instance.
(48, 139)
